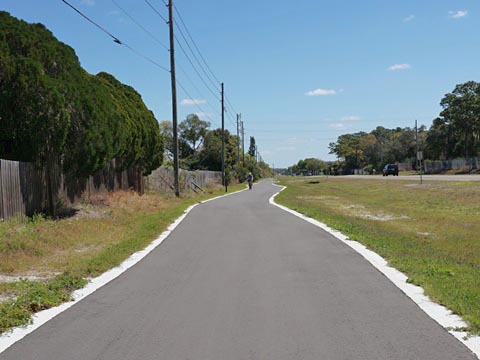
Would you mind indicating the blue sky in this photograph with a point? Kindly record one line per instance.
(301, 73)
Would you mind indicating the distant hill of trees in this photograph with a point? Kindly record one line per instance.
(53, 111)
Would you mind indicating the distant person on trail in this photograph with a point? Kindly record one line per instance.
(250, 180)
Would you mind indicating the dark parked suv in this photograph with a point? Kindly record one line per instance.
(390, 169)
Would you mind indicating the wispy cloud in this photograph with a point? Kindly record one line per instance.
(457, 14)
(338, 126)
(203, 114)
(399, 67)
(351, 118)
(189, 102)
(88, 2)
(320, 92)
(409, 18)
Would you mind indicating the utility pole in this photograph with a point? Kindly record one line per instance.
(243, 143)
(174, 99)
(238, 139)
(419, 154)
(224, 182)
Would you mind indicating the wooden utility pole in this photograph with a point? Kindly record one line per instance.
(224, 182)
(419, 153)
(238, 139)
(174, 99)
(243, 144)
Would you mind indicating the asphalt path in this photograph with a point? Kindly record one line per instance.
(240, 279)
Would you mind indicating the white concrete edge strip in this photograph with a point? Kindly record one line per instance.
(9, 338)
(221, 196)
(437, 312)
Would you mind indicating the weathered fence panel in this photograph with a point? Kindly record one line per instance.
(162, 179)
(23, 186)
(10, 190)
(453, 164)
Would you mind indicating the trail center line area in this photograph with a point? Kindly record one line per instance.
(240, 279)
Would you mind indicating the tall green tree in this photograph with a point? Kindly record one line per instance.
(166, 130)
(192, 130)
(438, 140)
(210, 155)
(349, 147)
(252, 150)
(461, 110)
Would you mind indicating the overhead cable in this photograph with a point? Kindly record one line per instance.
(197, 105)
(196, 71)
(141, 26)
(116, 39)
(195, 56)
(194, 44)
(156, 11)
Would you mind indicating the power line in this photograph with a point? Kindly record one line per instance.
(195, 56)
(146, 58)
(191, 63)
(231, 117)
(141, 26)
(194, 44)
(198, 62)
(197, 105)
(185, 53)
(296, 131)
(93, 22)
(196, 71)
(196, 88)
(228, 103)
(156, 11)
(164, 46)
(116, 39)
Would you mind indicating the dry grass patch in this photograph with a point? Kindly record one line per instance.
(47, 247)
(42, 261)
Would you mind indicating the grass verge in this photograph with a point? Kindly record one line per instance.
(429, 232)
(44, 261)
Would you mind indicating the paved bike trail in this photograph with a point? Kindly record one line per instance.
(240, 279)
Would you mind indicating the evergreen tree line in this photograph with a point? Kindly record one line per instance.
(53, 111)
(454, 133)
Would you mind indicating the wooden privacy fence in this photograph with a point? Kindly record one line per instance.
(21, 189)
(23, 186)
(161, 180)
